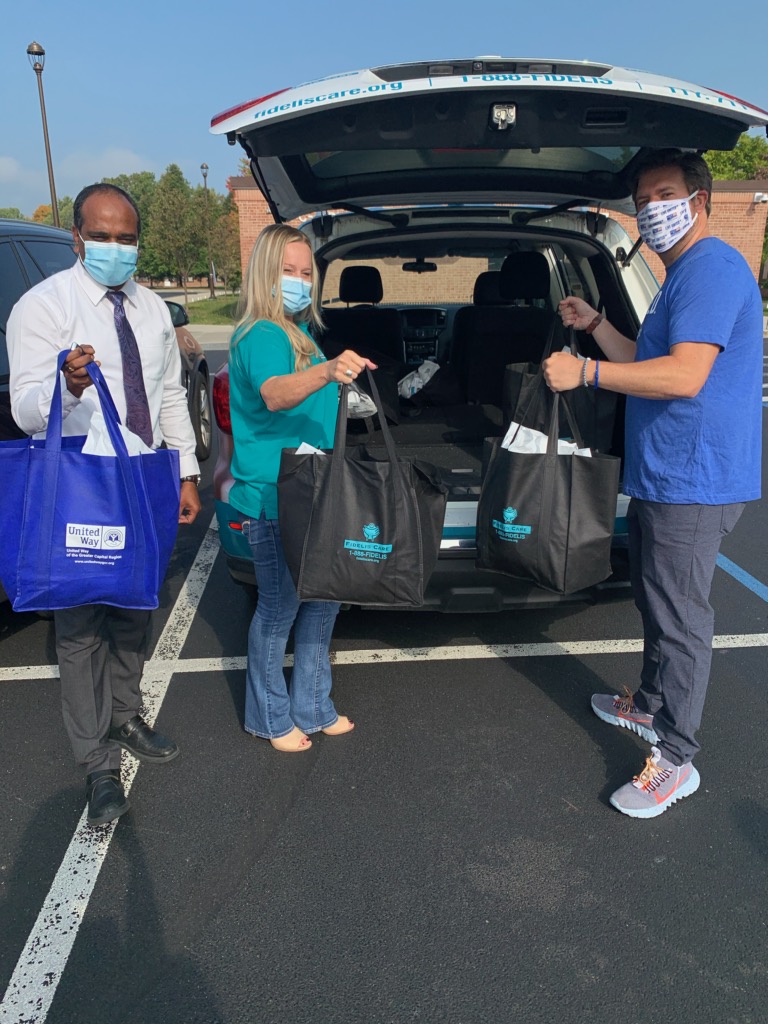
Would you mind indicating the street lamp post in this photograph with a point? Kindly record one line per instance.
(211, 285)
(36, 55)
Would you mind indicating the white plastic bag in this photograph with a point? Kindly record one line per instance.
(98, 441)
(533, 442)
(359, 405)
(415, 381)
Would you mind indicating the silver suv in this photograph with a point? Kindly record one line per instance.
(467, 197)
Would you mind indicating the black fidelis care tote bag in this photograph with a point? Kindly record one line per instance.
(357, 529)
(549, 518)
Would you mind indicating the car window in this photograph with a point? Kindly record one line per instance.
(13, 284)
(575, 278)
(452, 283)
(49, 256)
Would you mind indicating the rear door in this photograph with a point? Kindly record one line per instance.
(488, 130)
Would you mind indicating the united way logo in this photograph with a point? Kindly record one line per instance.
(95, 536)
(510, 514)
(371, 531)
(113, 537)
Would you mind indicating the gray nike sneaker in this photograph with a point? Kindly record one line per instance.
(621, 711)
(657, 787)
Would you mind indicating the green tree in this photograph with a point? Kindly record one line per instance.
(66, 212)
(747, 161)
(225, 245)
(141, 188)
(66, 206)
(12, 212)
(176, 225)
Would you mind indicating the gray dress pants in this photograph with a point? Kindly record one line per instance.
(672, 552)
(101, 652)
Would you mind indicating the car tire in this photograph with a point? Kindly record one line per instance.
(200, 413)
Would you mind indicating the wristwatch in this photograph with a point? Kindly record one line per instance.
(194, 479)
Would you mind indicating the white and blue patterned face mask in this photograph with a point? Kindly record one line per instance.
(297, 294)
(663, 223)
(110, 263)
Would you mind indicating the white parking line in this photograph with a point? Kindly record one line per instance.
(41, 964)
(388, 655)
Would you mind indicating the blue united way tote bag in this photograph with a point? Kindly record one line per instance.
(357, 529)
(85, 529)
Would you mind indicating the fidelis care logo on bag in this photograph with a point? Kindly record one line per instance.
(368, 550)
(507, 528)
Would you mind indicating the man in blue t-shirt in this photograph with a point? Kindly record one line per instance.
(693, 457)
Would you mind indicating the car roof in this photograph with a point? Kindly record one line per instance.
(477, 130)
(31, 229)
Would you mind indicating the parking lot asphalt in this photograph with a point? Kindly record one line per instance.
(454, 859)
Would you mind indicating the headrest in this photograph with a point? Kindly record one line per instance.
(486, 291)
(524, 275)
(360, 284)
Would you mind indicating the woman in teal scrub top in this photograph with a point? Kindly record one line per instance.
(282, 392)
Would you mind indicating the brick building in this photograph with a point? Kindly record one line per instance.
(736, 218)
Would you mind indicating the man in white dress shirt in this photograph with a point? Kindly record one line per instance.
(103, 315)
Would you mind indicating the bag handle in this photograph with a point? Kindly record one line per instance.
(340, 436)
(52, 468)
(109, 410)
(554, 423)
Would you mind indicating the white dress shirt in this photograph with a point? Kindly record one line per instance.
(71, 308)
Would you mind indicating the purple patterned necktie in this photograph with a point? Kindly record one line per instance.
(137, 418)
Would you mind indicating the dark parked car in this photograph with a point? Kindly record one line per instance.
(30, 252)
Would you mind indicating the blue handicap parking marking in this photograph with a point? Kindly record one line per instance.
(743, 577)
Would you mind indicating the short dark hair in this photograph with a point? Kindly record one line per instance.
(102, 186)
(694, 168)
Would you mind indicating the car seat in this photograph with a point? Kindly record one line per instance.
(365, 327)
(504, 326)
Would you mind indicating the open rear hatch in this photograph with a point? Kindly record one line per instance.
(484, 130)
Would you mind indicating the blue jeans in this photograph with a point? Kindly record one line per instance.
(272, 705)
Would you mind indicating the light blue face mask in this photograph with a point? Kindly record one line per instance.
(297, 294)
(110, 263)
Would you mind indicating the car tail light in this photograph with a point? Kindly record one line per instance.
(221, 400)
(226, 114)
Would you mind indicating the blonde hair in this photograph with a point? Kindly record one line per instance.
(262, 294)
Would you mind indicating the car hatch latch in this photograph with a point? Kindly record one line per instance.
(503, 116)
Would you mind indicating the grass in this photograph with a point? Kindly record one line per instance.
(221, 310)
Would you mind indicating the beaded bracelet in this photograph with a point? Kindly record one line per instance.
(584, 373)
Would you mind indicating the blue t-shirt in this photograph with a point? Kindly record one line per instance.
(704, 450)
(265, 351)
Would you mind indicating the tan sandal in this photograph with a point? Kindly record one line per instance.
(341, 726)
(293, 743)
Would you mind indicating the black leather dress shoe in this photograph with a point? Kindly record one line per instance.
(143, 742)
(106, 797)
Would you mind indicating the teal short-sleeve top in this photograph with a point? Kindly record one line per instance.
(265, 351)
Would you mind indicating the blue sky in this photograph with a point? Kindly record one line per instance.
(133, 86)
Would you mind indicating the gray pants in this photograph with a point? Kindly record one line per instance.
(673, 551)
(101, 652)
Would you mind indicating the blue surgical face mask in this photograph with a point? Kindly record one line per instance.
(297, 294)
(110, 263)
